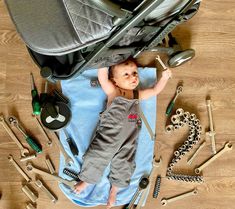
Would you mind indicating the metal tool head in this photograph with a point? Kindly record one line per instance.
(157, 163)
(12, 120)
(144, 181)
(10, 158)
(1, 118)
(29, 167)
(179, 89)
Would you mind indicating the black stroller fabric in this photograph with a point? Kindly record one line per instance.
(63, 36)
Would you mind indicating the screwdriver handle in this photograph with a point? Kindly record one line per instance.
(169, 108)
(35, 102)
(34, 145)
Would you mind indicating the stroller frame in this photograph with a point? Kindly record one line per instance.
(130, 20)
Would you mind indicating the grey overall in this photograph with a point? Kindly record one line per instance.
(115, 142)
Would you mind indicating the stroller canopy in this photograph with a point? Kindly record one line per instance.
(55, 27)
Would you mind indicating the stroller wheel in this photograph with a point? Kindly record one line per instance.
(181, 57)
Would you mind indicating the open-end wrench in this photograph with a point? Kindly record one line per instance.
(49, 142)
(18, 168)
(67, 158)
(190, 160)
(158, 58)
(23, 151)
(172, 103)
(30, 168)
(165, 201)
(227, 147)
(211, 133)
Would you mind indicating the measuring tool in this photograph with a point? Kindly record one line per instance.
(35, 98)
(172, 103)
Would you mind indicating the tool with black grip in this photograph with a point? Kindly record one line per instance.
(71, 143)
(32, 143)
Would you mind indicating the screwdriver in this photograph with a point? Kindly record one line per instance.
(35, 98)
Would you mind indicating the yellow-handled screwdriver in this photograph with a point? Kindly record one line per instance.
(35, 97)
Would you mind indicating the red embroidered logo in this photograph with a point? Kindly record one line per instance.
(132, 116)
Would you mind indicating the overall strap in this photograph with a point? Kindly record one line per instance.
(152, 135)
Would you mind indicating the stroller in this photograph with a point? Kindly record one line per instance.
(64, 38)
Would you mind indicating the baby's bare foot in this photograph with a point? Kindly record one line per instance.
(112, 197)
(80, 186)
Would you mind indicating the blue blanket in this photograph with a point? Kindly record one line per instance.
(86, 104)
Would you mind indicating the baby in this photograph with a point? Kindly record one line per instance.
(118, 128)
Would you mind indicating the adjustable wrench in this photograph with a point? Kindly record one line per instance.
(165, 201)
(67, 158)
(30, 168)
(23, 151)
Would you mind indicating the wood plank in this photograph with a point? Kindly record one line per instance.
(211, 73)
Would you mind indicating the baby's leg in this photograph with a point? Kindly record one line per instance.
(80, 186)
(112, 196)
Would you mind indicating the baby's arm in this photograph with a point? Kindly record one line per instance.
(157, 88)
(105, 83)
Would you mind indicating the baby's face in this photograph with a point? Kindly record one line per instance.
(125, 75)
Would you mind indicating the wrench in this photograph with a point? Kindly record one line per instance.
(44, 189)
(67, 158)
(172, 103)
(190, 160)
(165, 201)
(30, 168)
(19, 169)
(32, 143)
(49, 142)
(158, 58)
(143, 184)
(23, 151)
(156, 164)
(211, 133)
(228, 146)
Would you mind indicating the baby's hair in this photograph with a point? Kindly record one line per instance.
(111, 68)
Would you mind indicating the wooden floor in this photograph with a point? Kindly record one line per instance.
(211, 73)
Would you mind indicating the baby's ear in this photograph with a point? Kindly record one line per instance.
(113, 81)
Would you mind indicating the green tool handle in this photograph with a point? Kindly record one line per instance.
(169, 108)
(35, 102)
(35, 146)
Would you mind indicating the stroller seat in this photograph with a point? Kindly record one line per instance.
(57, 27)
(66, 37)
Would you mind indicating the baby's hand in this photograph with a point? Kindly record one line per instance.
(166, 74)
